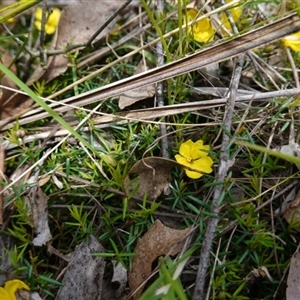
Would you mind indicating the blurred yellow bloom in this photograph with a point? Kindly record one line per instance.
(11, 20)
(10, 287)
(52, 20)
(293, 41)
(201, 31)
(194, 156)
(235, 13)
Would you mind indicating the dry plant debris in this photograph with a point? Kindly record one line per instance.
(292, 211)
(137, 82)
(84, 274)
(152, 176)
(293, 280)
(158, 240)
(138, 94)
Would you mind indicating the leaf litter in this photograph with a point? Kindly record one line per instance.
(137, 94)
(84, 275)
(158, 240)
(149, 177)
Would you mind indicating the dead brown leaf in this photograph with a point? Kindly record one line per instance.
(119, 278)
(153, 175)
(78, 22)
(84, 275)
(256, 275)
(27, 295)
(38, 203)
(159, 240)
(135, 95)
(292, 212)
(293, 280)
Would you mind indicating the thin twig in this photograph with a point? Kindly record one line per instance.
(160, 87)
(43, 56)
(225, 164)
(293, 66)
(89, 42)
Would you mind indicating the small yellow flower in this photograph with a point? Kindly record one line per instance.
(293, 41)
(11, 20)
(52, 20)
(201, 31)
(194, 156)
(10, 287)
(235, 13)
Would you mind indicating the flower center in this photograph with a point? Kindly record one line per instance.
(190, 160)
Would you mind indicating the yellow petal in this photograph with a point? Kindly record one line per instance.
(3, 294)
(203, 37)
(202, 26)
(38, 24)
(201, 31)
(195, 156)
(235, 13)
(225, 21)
(199, 144)
(11, 286)
(293, 41)
(181, 160)
(192, 14)
(203, 164)
(50, 29)
(38, 14)
(199, 150)
(54, 17)
(185, 148)
(52, 20)
(193, 175)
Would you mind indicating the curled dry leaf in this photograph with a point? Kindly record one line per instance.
(119, 278)
(292, 149)
(115, 287)
(23, 294)
(256, 275)
(153, 175)
(159, 240)
(137, 94)
(7, 244)
(38, 204)
(84, 275)
(292, 212)
(293, 280)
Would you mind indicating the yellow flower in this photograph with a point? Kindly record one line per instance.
(235, 13)
(293, 41)
(11, 20)
(201, 31)
(194, 156)
(52, 20)
(10, 287)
